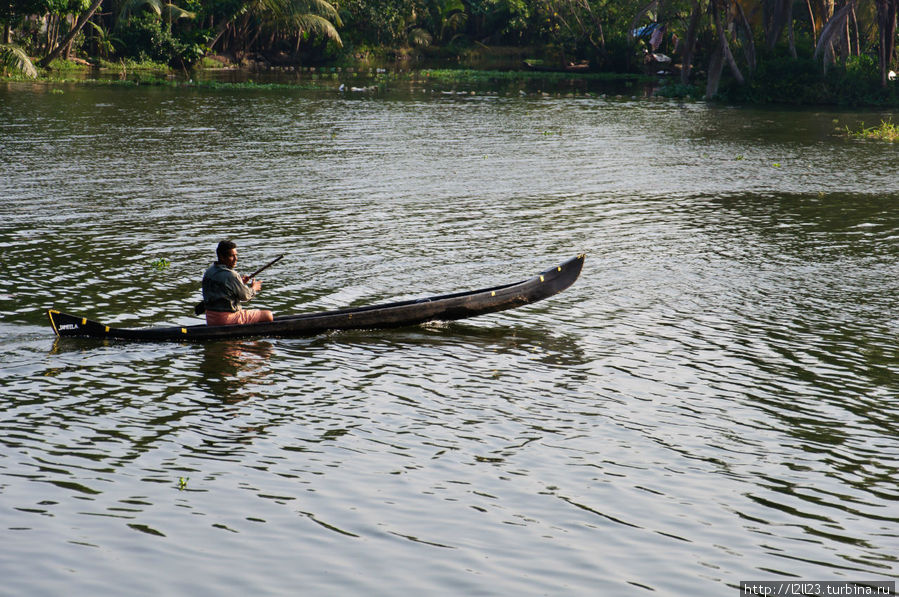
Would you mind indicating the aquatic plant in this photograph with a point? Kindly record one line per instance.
(886, 131)
(160, 264)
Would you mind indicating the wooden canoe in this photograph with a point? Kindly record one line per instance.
(446, 307)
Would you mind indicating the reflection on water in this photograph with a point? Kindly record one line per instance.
(229, 366)
(713, 400)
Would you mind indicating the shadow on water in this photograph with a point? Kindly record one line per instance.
(556, 348)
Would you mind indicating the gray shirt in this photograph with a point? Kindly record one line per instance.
(223, 289)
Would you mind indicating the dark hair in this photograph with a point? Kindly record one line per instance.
(224, 248)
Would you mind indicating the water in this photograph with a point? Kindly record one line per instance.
(715, 400)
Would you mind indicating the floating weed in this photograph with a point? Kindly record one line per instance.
(739, 157)
(886, 131)
(160, 264)
(182, 483)
(776, 164)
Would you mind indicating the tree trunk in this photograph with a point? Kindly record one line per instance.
(82, 20)
(886, 21)
(716, 66)
(790, 31)
(725, 47)
(748, 43)
(690, 43)
(811, 20)
(778, 19)
(845, 44)
(223, 26)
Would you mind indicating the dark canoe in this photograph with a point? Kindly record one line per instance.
(447, 307)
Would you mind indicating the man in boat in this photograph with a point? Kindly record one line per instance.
(224, 290)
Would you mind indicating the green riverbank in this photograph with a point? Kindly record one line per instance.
(777, 83)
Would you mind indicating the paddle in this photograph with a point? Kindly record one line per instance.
(200, 307)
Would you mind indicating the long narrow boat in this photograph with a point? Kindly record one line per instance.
(446, 307)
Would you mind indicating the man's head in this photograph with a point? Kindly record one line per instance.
(226, 251)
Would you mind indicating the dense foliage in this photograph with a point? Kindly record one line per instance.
(807, 51)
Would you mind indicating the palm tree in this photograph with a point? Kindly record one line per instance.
(316, 18)
(833, 32)
(441, 18)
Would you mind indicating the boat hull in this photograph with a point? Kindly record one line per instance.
(448, 307)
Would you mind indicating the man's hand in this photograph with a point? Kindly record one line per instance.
(257, 285)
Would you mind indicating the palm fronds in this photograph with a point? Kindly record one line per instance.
(321, 8)
(316, 26)
(421, 37)
(165, 10)
(14, 59)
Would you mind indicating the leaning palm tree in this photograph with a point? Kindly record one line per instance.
(14, 59)
(75, 30)
(833, 31)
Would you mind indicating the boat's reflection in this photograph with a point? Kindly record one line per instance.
(229, 367)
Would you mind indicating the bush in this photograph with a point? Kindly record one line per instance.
(858, 83)
(676, 90)
(802, 81)
(787, 80)
(146, 37)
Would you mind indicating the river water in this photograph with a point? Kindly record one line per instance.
(715, 400)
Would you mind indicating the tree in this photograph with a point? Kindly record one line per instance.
(12, 10)
(277, 18)
(886, 23)
(441, 20)
(79, 24)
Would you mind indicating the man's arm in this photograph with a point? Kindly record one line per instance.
(241, 290)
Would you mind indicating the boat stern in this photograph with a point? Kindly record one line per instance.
(64, 324)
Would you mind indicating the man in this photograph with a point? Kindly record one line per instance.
(224, 290)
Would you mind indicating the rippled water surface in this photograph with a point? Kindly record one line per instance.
(715, 400)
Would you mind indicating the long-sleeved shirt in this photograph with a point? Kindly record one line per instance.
(223, 289)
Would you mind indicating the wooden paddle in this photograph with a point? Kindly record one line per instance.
(200, 307)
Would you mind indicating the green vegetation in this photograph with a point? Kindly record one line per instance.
(885, 131)
(764, 51)
(14, 59)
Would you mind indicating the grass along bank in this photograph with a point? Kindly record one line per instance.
(212, 75)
